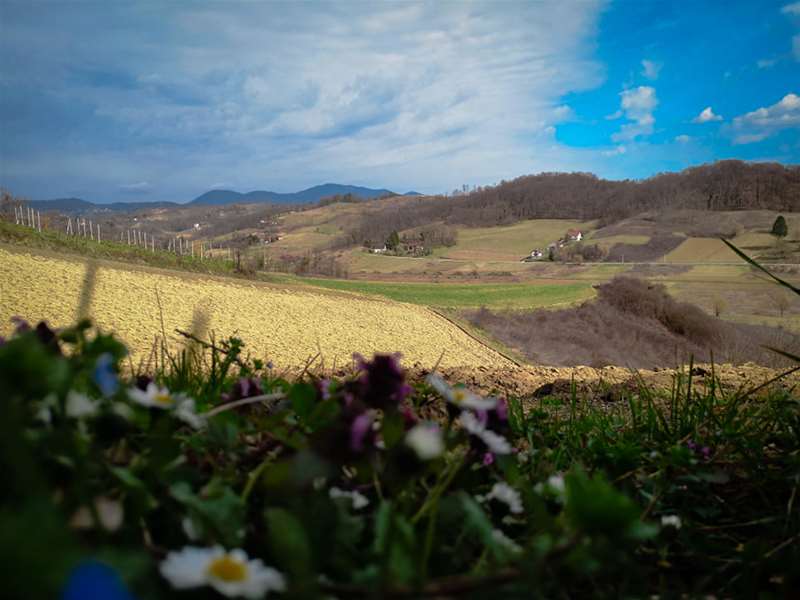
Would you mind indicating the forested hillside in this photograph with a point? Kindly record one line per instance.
(724, 185)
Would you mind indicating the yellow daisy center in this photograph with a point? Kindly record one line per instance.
(164, 399)
(228, 569)
(459, 396)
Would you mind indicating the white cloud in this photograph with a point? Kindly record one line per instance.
(706, 116)
(792, 9)
(683, 139)
(140, 187)
(637, 105)
(616, 151)
(651, 69)
(287, 95)
(766, 63)
(764, 122)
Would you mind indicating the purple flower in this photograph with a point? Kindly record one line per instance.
(409, 417)
(382, 381)
(21, 325)
(488, 459)
(245, 387)
(361, 432)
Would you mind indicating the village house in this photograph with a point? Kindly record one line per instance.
(574, 235)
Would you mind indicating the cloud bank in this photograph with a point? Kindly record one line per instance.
(289, 95)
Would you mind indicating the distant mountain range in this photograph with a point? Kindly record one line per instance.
(312, 194)
(222, 197)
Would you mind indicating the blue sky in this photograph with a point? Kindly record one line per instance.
(114, 101)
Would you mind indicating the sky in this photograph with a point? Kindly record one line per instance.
(140, 101)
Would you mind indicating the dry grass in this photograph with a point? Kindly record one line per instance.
(511, 242)
(285, 324)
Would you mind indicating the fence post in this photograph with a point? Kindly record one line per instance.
(39, 217)
(98, 232)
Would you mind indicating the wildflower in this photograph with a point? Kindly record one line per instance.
(92, 579)
(671, 521)
(190, 529)
(245, 387)
(104, 376)
(231, 573)
(20, 325)
(459, 396)
(556, 483)
(155, 396)
(488, 459)
(382, 381)
(495, 442)
(553, 487)
(426, 441)
(186, 412)
(502, 540)
(79, 405)
(504, 493)
(160, 397)
(357, 499)
(361, 432)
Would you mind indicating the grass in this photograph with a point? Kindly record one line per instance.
(516, 296)
(26, 237)
(511, 242)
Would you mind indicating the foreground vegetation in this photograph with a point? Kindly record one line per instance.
(211, 476)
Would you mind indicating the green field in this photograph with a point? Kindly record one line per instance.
(511, 242)
(515, 296)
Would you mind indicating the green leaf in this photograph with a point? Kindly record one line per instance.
(288, 543)
(594, 507)
(323, 414)
(392, 428)
(303, 396)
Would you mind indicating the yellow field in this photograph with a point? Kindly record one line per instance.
(285, 324)
(512, 242)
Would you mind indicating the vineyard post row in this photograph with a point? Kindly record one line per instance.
(28, 217)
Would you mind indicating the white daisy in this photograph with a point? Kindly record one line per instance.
(231, 573)
(556, 483)
(459, 396)
(507, 495)
(186, 412)
(671, 521)
(181, 405)
(357, 499)
(501, 539)
(426, 440)
(155, 396)
(496, 443)
(80, 405)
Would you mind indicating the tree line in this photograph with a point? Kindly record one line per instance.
(721, 186)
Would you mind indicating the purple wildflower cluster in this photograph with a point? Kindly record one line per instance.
(380, 385)
(703, 452)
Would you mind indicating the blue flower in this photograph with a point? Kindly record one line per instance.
(92, 580)
(104, 375)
